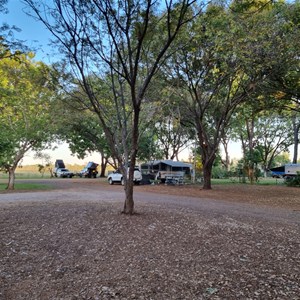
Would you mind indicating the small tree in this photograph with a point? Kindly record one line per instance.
(46, 163)
(26, 89)
(123, 42)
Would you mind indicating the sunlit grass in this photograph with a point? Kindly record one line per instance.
(26, 186)
(26, 175)
(261, 181)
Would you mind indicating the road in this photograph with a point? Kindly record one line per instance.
(91, 190)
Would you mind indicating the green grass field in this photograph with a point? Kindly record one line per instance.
(25, 186)
(40, 186)
(261, 181)
(25, 175)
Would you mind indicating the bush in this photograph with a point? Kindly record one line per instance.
(219, 172)
(293, 181)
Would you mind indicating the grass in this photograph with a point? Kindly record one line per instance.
(26, 186)
(39, 186)
(261, 181)
(25, 175)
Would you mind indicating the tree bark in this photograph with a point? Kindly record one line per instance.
(11, 178)
(129, 203)
(296, 140)
(207, 172)
(103, 166)
(226, 161)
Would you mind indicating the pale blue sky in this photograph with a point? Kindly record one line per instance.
(32, 31)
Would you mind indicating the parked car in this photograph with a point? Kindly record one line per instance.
(59, 164)
(63, 172)
(117, 177)
(90, 171)
(83, 172)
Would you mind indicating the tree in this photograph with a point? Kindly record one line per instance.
(172, 136)
(114, 40)
(82, 131)
(281, 160)
(26, 88)
(273, 138)
(230, 59)
(212, 71)
(282, 87)
(296, 132)
(46, 163)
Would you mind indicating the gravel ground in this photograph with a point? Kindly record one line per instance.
(238, 242)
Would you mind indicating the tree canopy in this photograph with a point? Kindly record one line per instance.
(25, 103)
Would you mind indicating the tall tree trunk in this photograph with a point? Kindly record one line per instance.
(251, 172)
(11, 178)
(249, 158)
(226, 161)
(296, 128)
(103, 166)
(207, 171)
(129, 203)
(208, 158)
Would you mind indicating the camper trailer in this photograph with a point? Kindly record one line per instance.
(286, 171)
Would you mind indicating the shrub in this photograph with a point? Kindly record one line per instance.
(293, 181)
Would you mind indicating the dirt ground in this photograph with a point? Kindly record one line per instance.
(233, 242)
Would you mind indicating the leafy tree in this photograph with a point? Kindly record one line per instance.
(82, 131)
(263, 135)
(167, 134)
(26, 88)
(172, 136)
(46, 163)
(282, 87)
(148, 145)
(215, 76)
(114, 40)
(280, 160)
(231, 58)
(272, 137)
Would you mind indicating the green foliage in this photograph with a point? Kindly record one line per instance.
(250, 6)
(219, 172)
(280, 160)
(25, 105)
(293, 181)
(148, 146)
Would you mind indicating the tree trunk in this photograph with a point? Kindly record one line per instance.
(207, 171)
(296, 128)
(11, 178)
(250, 156)
(226, 162)
(129, 203)
(103, 166)
(251, 173)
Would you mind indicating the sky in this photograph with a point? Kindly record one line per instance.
(37, 36)
(32, 32)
